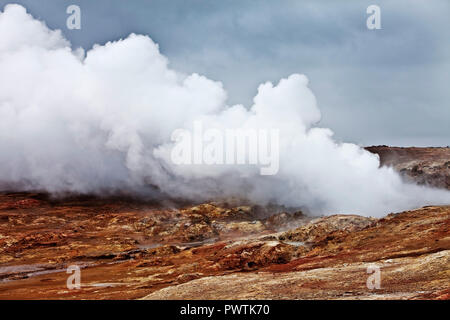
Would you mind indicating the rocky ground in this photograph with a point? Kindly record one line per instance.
(128, 249)
(427, 166)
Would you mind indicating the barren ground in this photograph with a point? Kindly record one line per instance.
(128, 249)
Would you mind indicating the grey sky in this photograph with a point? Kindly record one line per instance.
(388, 86)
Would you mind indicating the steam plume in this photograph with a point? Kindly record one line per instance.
(102, 121)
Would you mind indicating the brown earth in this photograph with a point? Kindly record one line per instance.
(427, 166)
(129, 249)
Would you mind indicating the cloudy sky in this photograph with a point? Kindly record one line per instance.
(388, 86)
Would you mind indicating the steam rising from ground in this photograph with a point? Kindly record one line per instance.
(102, 122)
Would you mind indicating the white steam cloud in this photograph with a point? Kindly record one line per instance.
(102, 122)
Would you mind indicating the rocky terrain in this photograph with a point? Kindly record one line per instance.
(428, 166)
(129, 249)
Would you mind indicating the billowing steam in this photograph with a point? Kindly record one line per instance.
(102, 121)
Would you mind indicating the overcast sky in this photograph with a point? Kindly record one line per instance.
(388, 86)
